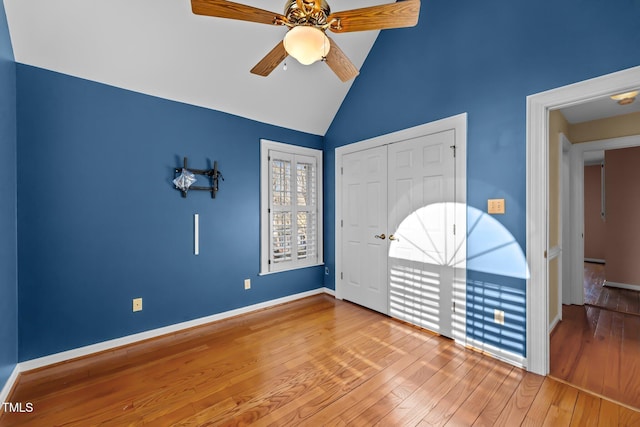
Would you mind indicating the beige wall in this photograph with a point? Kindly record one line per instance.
(557, 125)
(594, 225)
(622, 176)
(613, 127)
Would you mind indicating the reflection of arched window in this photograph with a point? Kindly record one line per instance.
(426, 265)
(424, 258)
(492, 249)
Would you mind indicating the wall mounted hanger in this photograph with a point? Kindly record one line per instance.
(185, 177)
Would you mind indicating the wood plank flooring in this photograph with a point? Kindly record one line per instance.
(614, 299)
(316, 362)
(597, 346)
(598, 350)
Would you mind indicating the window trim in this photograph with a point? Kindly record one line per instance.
(265, 189)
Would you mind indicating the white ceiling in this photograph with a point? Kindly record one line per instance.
(158, 47)
(598, 109)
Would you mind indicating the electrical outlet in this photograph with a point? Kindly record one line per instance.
(137, 304)
(498, 316)
(247, 283)
(326, 271)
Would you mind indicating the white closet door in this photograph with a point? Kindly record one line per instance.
(364, 216)
(421, 252)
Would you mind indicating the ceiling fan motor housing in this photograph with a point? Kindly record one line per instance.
(307, 12)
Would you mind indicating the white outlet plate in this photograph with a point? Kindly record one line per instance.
(498, 316)
(247, 283)
(137, 304)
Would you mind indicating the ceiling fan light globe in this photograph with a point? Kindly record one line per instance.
(619, 96)
(625, 98)
(306, 44)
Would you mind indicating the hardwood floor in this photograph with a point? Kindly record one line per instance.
(316, 361)
(614, 299)
(597, 346)
(598, 350)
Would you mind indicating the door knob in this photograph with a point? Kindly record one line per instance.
(392, 237)
(380, 236)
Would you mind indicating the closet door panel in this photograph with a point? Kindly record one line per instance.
(421, 182)
(364, 192)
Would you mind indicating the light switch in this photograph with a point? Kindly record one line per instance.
(495, 206)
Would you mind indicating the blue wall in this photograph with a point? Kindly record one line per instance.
(8, 257)
(99, 222)
(482, 58)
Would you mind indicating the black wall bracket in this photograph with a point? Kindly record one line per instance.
(184, 186)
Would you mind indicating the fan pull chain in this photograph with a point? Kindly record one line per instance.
(324, 48)
(285, 66)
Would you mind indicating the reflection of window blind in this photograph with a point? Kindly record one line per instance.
(293, 210)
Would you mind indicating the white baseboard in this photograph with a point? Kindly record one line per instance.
(4, 393)
(498, 353)
(621, 285)
(130, 339)
(595, 260)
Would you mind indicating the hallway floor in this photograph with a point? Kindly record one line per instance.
(614, 299)
(597, 348)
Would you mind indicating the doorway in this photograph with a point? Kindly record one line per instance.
(596, 343)
(398, 198)
(581, 154)
(538, 107)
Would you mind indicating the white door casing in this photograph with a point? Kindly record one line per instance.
(578, 154)
(565, 228)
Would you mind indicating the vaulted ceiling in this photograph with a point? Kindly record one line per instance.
(160, 48)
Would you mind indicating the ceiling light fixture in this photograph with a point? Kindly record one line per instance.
(307, 44)
(625, 98)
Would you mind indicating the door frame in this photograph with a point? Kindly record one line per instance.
(578, 153)
(538, 107)
(566, 206)
(456, 123)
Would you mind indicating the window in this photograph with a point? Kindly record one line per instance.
(291, 207)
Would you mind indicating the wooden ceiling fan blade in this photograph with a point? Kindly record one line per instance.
(339, 63)
(270, 61)
(230, 10)
(395, 15)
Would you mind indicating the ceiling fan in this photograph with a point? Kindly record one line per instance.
(308, 21)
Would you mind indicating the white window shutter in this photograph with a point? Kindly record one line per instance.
(291, 192)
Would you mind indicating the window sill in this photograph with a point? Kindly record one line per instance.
(266, 273)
